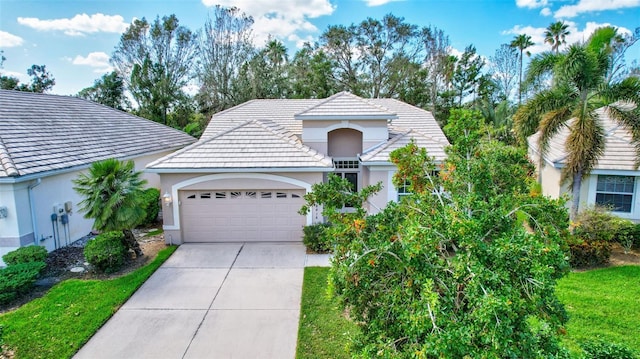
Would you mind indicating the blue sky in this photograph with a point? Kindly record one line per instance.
(75, 38)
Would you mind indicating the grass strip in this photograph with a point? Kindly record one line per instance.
(602, 304)
(58, 324)
(324, 332)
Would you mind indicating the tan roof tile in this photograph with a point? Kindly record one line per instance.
(42, 133)
(252, 144)
(619, 153)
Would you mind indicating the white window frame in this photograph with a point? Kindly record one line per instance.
(632, 194)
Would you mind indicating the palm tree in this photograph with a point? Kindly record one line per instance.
(579, 88)
(556, 35)
(521, 42)
(112, 196)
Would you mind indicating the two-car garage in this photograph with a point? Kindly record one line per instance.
(220, 215)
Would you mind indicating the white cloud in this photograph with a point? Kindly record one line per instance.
(300, 40)
(9, 40)
(575, 34)
(98, 60)
(569, 11)
(280, 19)
(531, 4)
(79, 25)
(545, 11)
(22, 77)
(372, 3)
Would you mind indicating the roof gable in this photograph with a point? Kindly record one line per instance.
(250, 145)
(46, 133)
(435, 148)
(619, 152)
(345, 106)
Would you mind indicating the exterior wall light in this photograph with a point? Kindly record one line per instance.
(166, 198)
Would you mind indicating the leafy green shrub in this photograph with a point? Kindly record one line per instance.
(18, 278)
(25, 255)
(594, 231)
(151, 205)
(598, 349)
(106, 252)
(316, 237)
(596, 224)
(586, 254)
(628, 235)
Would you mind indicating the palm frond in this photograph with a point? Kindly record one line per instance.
(585, 144)
(528, 117)
(111, 194)
(541, 66)
(552, 122)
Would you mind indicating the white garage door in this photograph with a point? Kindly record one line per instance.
(238, 216)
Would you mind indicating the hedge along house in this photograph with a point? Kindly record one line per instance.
(245, 179)
(614, 180)
(45, 142)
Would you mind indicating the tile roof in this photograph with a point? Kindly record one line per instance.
(252, 144)
(345, 105)
(619, 153)
(42, 133)
(435, 148)
(287, 115)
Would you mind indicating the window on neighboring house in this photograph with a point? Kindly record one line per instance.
(616, 192)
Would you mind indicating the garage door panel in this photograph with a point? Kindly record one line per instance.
(241, 215)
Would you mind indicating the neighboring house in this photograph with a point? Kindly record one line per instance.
(246, 177)
(614, 181)
(45, 142)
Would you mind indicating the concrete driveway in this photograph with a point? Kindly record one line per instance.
(211, 301)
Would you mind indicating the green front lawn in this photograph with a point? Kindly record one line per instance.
(324, 332)
(602, 304)
(59, 323)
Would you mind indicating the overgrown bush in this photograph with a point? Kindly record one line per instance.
(151, 205)
(18, 278)
(594, 231)
(106, 252)
(317, 238)
(598, 349)
(25, 255)
(463, 268)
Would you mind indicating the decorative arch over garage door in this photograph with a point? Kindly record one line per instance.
(228, 213)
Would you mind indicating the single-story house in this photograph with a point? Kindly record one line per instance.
(45, 142)
(614, 180)
(246, 177)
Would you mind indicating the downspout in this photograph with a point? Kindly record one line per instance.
(34, 223)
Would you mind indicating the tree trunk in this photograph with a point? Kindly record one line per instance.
(131, 243)
(575, 194)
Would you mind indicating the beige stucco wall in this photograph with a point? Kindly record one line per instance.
(378, 201)
(551, 182)
(551, 187)
(315, 132)
(344, 142)
(172, 183)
